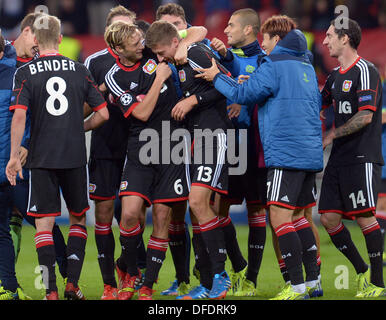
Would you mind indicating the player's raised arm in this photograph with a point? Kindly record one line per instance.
(189, 36)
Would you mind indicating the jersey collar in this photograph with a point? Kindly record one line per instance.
(344, 71)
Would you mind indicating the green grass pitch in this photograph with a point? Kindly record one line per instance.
(338, 276)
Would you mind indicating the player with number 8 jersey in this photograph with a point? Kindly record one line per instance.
(54, 89)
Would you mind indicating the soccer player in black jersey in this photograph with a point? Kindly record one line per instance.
(26, 51)
(107, 156)
(203, 108)
(54, 88)
(352, 176)
(144, 91)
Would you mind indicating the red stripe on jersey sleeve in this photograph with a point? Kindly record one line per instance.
(368, 107)
(131, 109)
(101, 106)
(18, 106)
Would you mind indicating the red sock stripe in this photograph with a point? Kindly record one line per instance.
(210, 225)
(224, 221)
(77, 231)
(300, 224)
(158, 244)
(257, 221)
(196, 228)
(284, 229)
(335, 230)
(318, 260)
(43, 238)
(130, 232)
(381, 215)
(370, 228)
(102, 228)
(281, 264)
(176, 227)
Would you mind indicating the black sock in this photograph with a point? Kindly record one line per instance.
(178, 249)
(76, 244)
(256, 242)
(373, 237)
(141, 252)
(129, 241)
(214, 240)
(232, 245)
(46, 256)
(382, 223)
(105, 244)
(307, 239)
(284, 271)
(60, 250)
(341, 238)
(291, 251)
(156, 252)
(203, 263)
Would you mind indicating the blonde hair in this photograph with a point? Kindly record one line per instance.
(47, 30)
(118, 32)
(120, 11)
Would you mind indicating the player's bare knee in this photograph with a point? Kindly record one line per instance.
(78, 219)
(104, 211)
(328, 221)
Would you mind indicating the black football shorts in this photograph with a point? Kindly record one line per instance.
(154, 183)
(105, 178)
(292, 189)
(209, 167)
(350, 190)
(46, 186)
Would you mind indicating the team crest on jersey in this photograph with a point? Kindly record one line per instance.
(123, 185)
(91, 188)
(346, 85)
(126, 99)
(250, 69)
(182, 75)
(150, 66)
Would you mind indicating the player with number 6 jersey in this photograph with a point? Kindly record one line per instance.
(54, 89)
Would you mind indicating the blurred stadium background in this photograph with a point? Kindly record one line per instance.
(83, 24)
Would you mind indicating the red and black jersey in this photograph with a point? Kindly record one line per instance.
(54, 88)
(129, 86)
(109, 141)
(210, 113)
(357, 88)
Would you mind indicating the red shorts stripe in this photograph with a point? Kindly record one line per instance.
(92, 197)
(78, 214)
(170, 200)
(39, 215)
(132, 193)
(209, 187)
